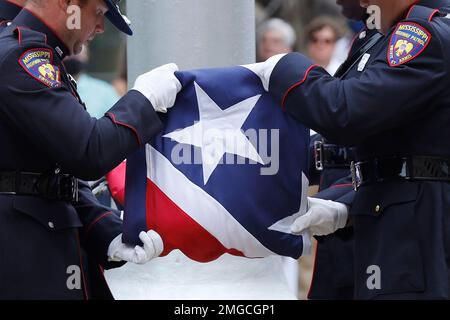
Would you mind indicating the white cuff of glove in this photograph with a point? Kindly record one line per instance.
(342, 215)
(160, 86)
(322, 218)
(152, 248)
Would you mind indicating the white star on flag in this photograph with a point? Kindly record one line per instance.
(218, 132)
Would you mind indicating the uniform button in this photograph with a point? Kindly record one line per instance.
(51, 225)
(377, 209)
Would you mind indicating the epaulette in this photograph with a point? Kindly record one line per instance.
(411, 36)
(38, 60)
(423, 13)
(25, 35)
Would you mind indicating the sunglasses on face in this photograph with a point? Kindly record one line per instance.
(327, 41)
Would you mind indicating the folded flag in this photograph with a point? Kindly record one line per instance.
(226, 174)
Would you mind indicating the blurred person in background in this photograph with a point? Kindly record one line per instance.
(321, 37)
(275, 36)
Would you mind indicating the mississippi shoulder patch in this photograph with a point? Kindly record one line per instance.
(407, 42)
(38, 64)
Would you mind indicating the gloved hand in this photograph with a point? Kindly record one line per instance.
(153, 246)
(159, 86)
(264, 69)
(322, 218)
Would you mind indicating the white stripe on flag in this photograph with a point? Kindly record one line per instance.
(284, 225)
(201, 207)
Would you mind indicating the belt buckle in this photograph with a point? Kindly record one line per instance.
(355, 170)
(318, 155)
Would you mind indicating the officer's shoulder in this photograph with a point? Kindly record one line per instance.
(16, 41)
(422, 33)
(26, 51)
(434, 21)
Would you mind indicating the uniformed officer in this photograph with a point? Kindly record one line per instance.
(49, 220)
(394, 114)
(333, 266)
(9, 9)
(336, 250)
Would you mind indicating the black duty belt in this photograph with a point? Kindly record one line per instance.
(53, 186)
(331, 156)
(406, 168)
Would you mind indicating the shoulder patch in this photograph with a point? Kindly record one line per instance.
(407, 42)
(38, 64)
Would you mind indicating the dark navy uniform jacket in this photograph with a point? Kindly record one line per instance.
(397, 107)
(333, 267)
(43, 125)
(8, 11)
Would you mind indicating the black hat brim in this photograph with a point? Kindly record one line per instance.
(116, 18)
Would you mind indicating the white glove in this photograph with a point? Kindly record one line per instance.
(159, 86)
(264, 69)
(322, 218)
(153, 246)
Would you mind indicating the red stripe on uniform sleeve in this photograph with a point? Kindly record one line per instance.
(113, 118)
(97, 220)
(295, 86)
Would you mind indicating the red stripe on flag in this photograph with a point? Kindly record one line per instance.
(179, 231)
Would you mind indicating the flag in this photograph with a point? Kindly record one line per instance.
(226, 174)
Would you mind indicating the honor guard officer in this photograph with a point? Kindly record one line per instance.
(333, 270)
(333, 266)
(392, 115)
(9, 9)
(49, 219)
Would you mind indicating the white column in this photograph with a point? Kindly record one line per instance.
(191, 33)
